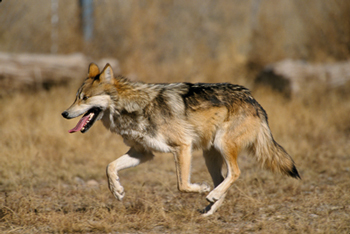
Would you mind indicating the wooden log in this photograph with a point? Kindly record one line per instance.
(291, 77)
(28, 71)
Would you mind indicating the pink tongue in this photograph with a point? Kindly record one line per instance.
(80, 124)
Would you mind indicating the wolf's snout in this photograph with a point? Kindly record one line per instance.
(65, 114)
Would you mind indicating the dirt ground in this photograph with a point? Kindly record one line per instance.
(54, 182)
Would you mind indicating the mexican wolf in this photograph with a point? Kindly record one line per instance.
(222, 119)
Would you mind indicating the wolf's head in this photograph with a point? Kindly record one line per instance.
(92, 98)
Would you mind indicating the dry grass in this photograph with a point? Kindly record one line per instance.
(52, 181)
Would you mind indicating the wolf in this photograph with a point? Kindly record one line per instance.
(222, 119)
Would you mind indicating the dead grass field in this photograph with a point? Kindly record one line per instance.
(54, 182)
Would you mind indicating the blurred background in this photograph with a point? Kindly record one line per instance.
(54, 182)
(198, 40)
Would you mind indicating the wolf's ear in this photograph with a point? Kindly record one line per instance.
(93, 70)
(107, 74)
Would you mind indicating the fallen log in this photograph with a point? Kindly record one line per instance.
(291, 77)
(35, 71)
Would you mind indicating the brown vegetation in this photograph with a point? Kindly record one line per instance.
(54, 182)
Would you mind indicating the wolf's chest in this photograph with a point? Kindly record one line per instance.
(149, 143)
(136, 130)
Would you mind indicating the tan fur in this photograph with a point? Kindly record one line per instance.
(223, 120)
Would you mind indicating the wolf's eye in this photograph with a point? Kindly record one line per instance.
(85, 98)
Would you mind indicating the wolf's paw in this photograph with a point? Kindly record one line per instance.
(119, 194)
(213, 196)
(206, 214)
(213, 206)
(207, 210)
(204, 188)
(194, 188)
(116, 188)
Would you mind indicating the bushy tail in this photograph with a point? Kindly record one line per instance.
(271, 155)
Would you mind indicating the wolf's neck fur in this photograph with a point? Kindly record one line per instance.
(128, 100)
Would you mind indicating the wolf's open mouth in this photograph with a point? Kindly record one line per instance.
(87, 120)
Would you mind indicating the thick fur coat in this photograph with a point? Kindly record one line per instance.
(223, 120)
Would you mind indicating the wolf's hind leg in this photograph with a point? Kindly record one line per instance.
(214, 162)
(230, 153)
(183, 158)
(131, 159)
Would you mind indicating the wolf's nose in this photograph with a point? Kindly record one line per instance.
(65, 114)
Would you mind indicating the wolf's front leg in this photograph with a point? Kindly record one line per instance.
(183, 158)
(131, 159)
